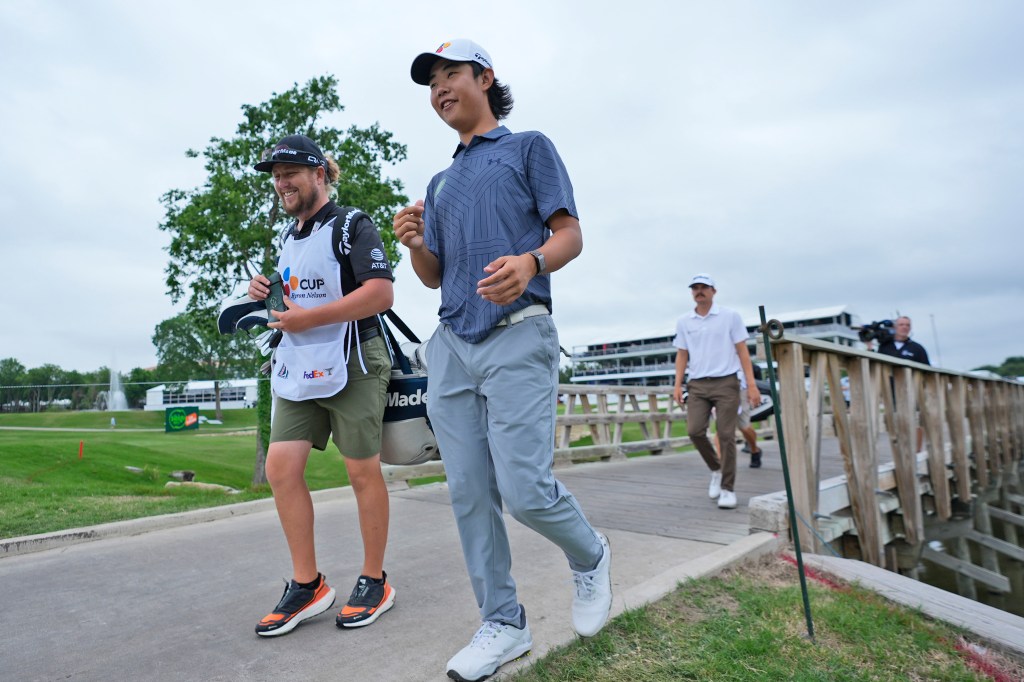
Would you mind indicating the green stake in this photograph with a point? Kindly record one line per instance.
(775, 327)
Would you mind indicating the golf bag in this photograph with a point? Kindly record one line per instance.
(407, 437)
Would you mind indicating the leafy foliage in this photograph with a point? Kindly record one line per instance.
(1011, 367)
(189, 346)
(235, 216)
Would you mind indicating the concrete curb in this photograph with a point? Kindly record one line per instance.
(28, 544)
(750, 547)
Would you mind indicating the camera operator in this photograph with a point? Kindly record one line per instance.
(900, 345)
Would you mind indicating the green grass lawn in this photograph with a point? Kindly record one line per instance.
(45, 486)
(748, 625)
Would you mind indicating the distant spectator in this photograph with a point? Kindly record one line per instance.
(712, 345)
(902, 347)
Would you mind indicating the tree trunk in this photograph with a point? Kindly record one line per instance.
(216, 397)
(263, 402)
(259, 474)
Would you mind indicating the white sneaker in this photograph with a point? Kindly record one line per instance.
(593, 600)
(715, 489)
(493, 645)
(727, 500)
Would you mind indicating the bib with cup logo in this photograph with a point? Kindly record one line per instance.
(311, 364)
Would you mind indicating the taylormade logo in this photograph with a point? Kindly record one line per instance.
(399, 399)
(346, 246)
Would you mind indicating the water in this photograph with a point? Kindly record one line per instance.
(116, 399)
(1011, 602)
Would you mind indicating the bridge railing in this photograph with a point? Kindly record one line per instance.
(972, 428)
(603, 413)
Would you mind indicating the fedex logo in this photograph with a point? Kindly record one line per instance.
(318, 373)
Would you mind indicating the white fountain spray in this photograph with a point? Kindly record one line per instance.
(116, 400)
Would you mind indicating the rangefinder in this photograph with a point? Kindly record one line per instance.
(275, 300)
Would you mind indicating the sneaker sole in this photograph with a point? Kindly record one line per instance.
(514, 655)
(315, 609)
(382, 608)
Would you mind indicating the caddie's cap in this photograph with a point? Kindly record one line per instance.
(458, 50)
(702, 278)
(292, 149)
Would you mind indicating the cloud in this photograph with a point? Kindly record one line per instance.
(808, 155)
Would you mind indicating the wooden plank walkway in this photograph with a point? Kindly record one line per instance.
(667, 495)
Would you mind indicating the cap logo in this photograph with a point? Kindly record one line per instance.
(443, 47)
(482, 59)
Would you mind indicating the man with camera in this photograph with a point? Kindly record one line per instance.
(894, 341)
(899, 345)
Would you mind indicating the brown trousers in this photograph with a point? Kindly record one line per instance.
(723, 394)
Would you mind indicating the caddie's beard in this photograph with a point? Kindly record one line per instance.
(306, 204)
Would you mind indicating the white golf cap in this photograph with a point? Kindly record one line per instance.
(702, 278)
(458, 50)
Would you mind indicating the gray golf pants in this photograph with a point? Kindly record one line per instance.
(492, 408)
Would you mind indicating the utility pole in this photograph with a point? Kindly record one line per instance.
(935, 335)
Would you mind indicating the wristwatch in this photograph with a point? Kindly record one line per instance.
(541, 263)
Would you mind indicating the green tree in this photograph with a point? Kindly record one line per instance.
(1011, 367)
(42, 383)
(136, 384)
(189, 344)
(12, 375)
(235, 216)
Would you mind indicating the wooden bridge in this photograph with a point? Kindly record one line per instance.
(896, 500)
(862, 487)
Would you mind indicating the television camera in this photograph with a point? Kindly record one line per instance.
(882, 331)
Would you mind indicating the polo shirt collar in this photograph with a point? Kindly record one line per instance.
(319, 217)
(713, 311)
(500, 131)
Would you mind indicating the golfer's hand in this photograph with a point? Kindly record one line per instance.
(754, 396)
(259, 288)
(408, 225)
(508, 278)
(293, 319)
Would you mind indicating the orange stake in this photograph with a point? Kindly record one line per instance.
(81, 446)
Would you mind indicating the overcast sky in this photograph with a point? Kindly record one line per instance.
(806, 154)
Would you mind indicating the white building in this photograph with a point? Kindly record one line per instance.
(835, 324)
(234, 394)
(651, 360)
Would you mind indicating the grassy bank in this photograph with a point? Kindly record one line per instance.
(45, 485)
(748, 625)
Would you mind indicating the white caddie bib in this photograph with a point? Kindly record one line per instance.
(311, 364)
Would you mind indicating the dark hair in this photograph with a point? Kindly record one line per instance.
(499, 96)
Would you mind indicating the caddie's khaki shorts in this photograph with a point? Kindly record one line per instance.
(743, 418)
(353, 415)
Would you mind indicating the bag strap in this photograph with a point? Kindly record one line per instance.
(398, 357)
(402, 326)
(346, 215)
